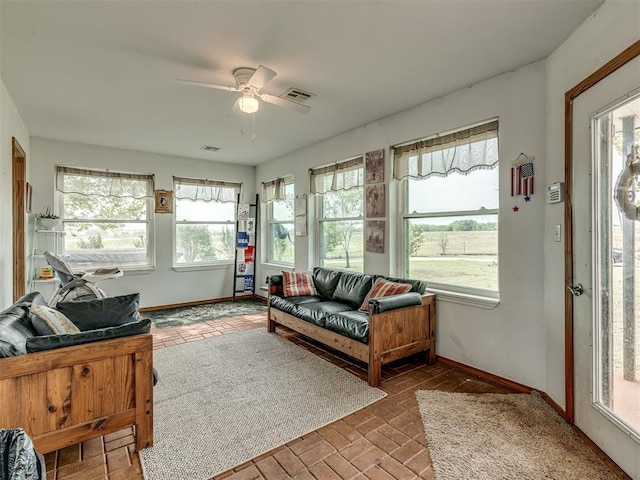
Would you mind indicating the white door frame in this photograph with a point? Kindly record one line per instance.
(614, 64)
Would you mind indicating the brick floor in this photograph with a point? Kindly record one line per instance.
(382, 441)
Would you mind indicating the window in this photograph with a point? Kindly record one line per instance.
(450, 218)
(106, 217)
(205, 214)
(340, 214)
(280, 216)
(616, 238)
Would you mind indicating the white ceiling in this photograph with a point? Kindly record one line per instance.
(103, 72)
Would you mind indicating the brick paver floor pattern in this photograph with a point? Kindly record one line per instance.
(382, 441)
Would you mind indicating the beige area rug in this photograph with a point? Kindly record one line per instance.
(227, 399)
(503, 437)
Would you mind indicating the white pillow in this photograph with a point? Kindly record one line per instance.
(48, 321)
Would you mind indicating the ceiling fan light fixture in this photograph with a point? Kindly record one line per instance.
(248, 104)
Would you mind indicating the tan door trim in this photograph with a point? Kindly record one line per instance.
(19, 180)
(614, 64)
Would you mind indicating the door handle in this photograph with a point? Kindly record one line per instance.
(576, 290)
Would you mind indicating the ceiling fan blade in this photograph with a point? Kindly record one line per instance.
(261, 77)
(281, 102)
(208, 85)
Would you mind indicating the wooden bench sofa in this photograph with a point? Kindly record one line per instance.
(393, 333)
(68, 395)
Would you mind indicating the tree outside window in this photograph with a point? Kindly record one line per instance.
(205, 228)
(450, 212)
(451, 231)
(281, 228)
(341, 225)
(106, 218)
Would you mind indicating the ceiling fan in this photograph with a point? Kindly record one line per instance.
(249, 81)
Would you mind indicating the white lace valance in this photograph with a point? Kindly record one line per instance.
(103, 183)
(339, 176)
(206, 190)
(274, 189)
(462, 152)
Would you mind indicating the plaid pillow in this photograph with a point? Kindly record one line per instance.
(298, 284)
(383, 288)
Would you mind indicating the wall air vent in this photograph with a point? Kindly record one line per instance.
(209, 148)
(297, 95)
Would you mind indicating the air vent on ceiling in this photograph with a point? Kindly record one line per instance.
(209, 148)
(297, 95)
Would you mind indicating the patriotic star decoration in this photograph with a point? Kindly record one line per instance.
(527, 198)
(516, 208)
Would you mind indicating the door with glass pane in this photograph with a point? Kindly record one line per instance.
(606, 246)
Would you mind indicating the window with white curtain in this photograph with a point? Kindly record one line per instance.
(340, 213)
(450, 215)
(279, 196)
(205, 215)
(107, 218)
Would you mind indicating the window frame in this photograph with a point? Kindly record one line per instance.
(208, 264)
(322, 219)
(289, 181)
(437, 286)
(150, 222)
(476, 296)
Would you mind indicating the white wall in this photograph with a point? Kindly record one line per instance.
(611, 29)
(523, 338)
(509, 340)
(11, 125)
(163, 286)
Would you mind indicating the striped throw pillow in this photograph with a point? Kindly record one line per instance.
(298, 284)
(383, 288)
(48, 321)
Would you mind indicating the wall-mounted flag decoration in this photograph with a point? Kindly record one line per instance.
(242, 240)
(522, 177)
(526, 178)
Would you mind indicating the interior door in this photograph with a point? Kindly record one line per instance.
(606, 264)
(19, 174)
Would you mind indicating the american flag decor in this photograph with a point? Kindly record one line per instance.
(522, 179)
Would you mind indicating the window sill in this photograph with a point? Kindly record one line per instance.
(477, 301)
(279, 266)
(195, 268)
(138, 271)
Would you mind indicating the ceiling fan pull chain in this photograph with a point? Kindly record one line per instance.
(253, 127)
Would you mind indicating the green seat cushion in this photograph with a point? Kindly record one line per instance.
(354, 325)
(318, 312)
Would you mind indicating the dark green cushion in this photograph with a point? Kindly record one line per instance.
(393, 302)
(102, 312)
(351, 324)
(29, 298)
(288, 304)
(326, 280)
(16, 326)
(318, 312)
(15, 329)
(352, 288)
(50, 342)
